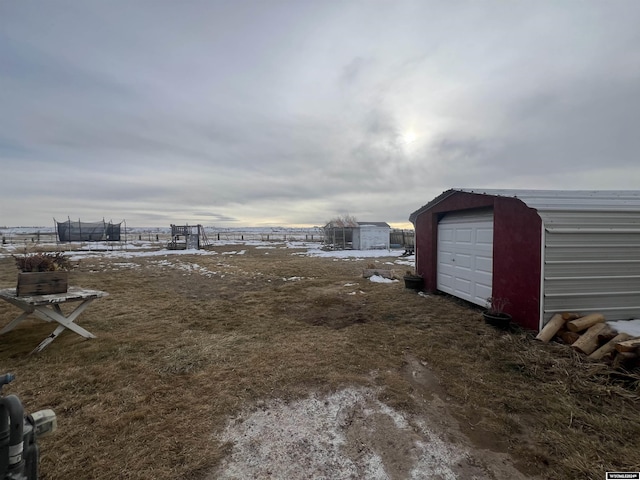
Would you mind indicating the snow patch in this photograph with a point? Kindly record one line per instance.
(379, 279)
(630, 327)
(311, 438)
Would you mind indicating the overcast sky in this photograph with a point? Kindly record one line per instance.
(268, 112)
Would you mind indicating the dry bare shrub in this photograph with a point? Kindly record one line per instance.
(41, 262)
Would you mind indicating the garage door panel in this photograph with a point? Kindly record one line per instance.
(483, 279)
(446, 235)
(484, 265)
(462, 286)
(446, 283)
(465, 255)
(446, 257)
(464, 235)
(463, 260)
(447, 267)
(482, 293)
(484, 237)
(446, 279)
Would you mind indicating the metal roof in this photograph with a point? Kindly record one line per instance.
(555, 200)
(569, 199)
(375, 224)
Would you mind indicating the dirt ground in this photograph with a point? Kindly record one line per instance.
(258, 361)
(351, 434)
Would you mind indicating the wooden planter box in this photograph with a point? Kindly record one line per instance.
(42, 283)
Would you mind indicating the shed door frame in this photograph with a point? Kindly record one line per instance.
(465, 255)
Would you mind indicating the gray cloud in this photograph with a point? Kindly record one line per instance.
(287, 112)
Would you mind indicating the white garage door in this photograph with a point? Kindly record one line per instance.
(465, 255)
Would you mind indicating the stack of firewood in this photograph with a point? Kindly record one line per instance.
(590, 335)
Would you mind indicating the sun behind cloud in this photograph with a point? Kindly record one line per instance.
(409, 136)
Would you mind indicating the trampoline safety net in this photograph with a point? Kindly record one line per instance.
(88, 231)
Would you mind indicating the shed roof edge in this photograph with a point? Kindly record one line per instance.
(552, 200)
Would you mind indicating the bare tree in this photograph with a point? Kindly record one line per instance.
(343, 221)
(338, 232)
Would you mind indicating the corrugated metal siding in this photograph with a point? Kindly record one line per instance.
(592, 262)
(569, 200)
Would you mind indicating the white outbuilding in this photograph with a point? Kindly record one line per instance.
(371, 236)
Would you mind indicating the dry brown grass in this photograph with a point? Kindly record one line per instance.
(180, 351)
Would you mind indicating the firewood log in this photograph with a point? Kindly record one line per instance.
(585, 322)
(606, 335)
(588, 342)
(569, 337)
(628, 345)
(551, 328)
(609, 347)
(627, 355)
(623, 359)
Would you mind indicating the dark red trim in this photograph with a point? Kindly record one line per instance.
(516, 250)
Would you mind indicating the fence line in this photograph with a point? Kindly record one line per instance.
(402, 238)
(163, 237)
(397, 238)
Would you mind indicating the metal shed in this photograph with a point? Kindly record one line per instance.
(371, 235)
(545, 251)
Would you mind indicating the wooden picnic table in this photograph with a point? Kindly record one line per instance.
(47, 308)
